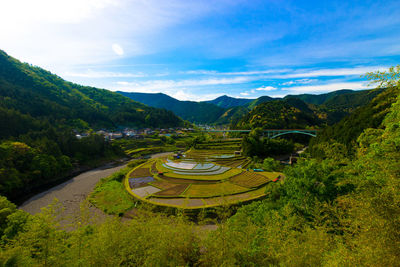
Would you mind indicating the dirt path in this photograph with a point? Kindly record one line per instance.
(160, 155)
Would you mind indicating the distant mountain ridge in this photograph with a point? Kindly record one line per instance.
(229, 110)
(229, 102)
(198, 112)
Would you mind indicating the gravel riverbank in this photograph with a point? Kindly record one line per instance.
(72, 192)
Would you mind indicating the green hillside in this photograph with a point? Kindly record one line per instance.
(229, 102)
(39, 112)
(321, 98)
(35, 92)
(280, 114)
(349, 128)
(260, 100)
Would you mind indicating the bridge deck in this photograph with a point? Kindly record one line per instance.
(272, 133)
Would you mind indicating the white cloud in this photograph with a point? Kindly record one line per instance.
(117, 49)
(183, 95)
(244, 94)
(301, 81)
(332, 72)
(266, 88)
(324, 88)
(159, 85)
(255, 72)
(63, 34)
(102, 74)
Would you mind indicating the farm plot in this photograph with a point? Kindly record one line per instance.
(162, 184)
(249, 179)
(180, 165)
(233, 163)
(145, 191)
(223, 173)
(185, 181)
(140, 172)
(250, 195)
(176, 190)
(211, 190)
(140, 182)
(204, 166)
(210, 168)
(217, 170)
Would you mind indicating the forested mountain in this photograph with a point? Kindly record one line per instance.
(349, 128)
(229, 102)
(280, 114)
(232, 115)
(35, 92)
(321, 98)
(198, 112)
(229, 110)
(260, 100)
(38, 113)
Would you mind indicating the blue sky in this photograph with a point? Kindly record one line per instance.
(199, 50)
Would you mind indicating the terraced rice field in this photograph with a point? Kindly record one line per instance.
(139, 182)
(204, 178)
(212, 190)
(249, 179)
(140, 172)
(176, 190)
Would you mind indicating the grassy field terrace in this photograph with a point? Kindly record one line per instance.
(202, 178)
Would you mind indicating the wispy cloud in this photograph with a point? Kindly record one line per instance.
(233, 73)
(167, 84)
(184, 95)
(324, 88)
(300, 81)
(331, 72)
(103, 74)
(266, 88)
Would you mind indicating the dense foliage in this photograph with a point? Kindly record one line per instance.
(280, 114)
(349, 128)
(254, 144)
(46, 157)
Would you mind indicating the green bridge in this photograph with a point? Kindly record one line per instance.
(271, 133)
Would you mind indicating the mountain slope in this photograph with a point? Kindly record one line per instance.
(321, 98)
(350, 127)
(37, 93)
(279, 114)
(229, 102)
(198, 112)
(260, 100)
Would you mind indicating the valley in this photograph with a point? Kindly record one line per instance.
(203, 184)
